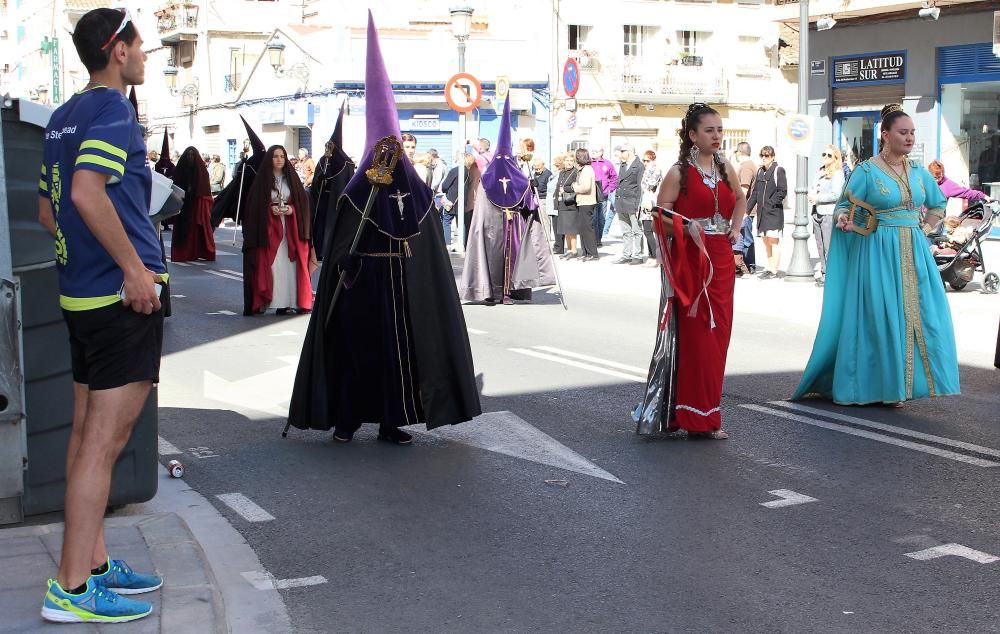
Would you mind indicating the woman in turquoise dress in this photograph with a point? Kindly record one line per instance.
(885, 334)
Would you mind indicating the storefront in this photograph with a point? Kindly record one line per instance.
(944, 73)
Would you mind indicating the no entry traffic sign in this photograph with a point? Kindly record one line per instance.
(463, 92)
(571, 77)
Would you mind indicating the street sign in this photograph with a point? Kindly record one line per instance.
(799, 130)
(463, 92)
(503, 87)
(817, 67)
(571, 77)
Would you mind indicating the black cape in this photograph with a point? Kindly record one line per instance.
(233, 197)
(331, 177)
(396, 350)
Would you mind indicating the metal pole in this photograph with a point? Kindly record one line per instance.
(460, 248)
(800, 269)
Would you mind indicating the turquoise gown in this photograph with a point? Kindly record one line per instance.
(885, 334)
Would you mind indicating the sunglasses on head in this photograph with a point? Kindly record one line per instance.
(126, 18)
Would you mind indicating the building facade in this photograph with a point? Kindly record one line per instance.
(643, 62)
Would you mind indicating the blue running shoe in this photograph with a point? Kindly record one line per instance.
(121, 579)
(96, 605)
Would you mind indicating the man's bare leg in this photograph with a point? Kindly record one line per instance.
(107, 424)
(80, 393)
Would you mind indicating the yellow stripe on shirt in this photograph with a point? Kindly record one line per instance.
(94, 144)
(75, 304)
(103, 162)
(42, 185)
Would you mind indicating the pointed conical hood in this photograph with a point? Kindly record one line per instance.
(255, 143)
(338, 130)
(399, 208)
(164, 165)
(506, 186)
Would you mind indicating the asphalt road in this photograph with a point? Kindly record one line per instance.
(551, 515)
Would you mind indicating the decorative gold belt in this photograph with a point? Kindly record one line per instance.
(865, 222)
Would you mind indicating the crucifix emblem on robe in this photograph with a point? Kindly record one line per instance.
(503, 181)
(399, 196)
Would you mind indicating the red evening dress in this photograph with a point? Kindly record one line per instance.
(707, 278)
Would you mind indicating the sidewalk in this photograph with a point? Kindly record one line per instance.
(181, 537)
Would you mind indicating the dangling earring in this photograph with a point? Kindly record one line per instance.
(695, 153)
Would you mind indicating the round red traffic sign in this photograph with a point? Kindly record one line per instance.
(571, 77)
(463, 92)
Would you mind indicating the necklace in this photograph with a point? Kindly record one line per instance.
(711, 182)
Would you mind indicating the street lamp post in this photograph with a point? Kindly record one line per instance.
(800, 268)
(461, 24)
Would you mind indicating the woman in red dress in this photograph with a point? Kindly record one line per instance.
(278, 256)
(193, 238)
(697, 220)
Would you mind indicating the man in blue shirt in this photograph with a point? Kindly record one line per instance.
(94, 199)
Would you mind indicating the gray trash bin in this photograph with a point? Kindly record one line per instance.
(44, 352)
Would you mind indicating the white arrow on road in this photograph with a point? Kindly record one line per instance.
(509, 434)
(262, 392)
(953, 550)
(788, 498)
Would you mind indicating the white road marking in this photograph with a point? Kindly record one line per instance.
(508, 434)
(197, 263)
(262, 392)
(202, 452)
(584, 357)
(473, 331)
(165, 448)
(266, 581)
(245, 507)
(236, 273)
(284, 333)
(953, 550)
(222, 312)
(942, 453)
(902, 431)
(788, 498)
(179, 263)
(225, 275)
(217, 252)
(579, 364)
(179, 296)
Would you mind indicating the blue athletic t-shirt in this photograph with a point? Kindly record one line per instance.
(97, 130)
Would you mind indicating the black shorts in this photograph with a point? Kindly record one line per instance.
(114, 346)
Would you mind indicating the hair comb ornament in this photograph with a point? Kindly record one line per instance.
(891, 108)
(698, 105)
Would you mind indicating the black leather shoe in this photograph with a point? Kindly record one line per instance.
(394, 435)
(342, 436)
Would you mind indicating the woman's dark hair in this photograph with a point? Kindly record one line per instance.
(259, 201)
(767, 149)
(94, 30)
(691, 121)
(890, 114)
(583, 157)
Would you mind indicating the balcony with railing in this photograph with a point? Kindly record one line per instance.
(177, 22)
(589, 60)
(649, 80)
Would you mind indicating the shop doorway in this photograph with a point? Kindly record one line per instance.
(856, 134)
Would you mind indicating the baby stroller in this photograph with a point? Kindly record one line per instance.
(959, 252)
